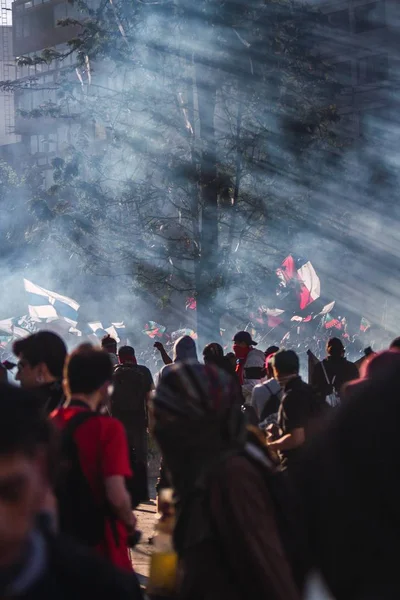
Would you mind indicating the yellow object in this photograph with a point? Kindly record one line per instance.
(163, 573)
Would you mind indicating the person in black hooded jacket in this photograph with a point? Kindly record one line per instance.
(333, 372)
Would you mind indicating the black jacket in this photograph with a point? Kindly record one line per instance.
(50, 396)
(339, 369)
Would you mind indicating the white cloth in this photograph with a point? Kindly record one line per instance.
(255, 358)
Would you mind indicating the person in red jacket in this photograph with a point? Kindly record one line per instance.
(102, 447)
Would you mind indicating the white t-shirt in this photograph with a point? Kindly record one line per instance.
(255, 358)
(262, 393)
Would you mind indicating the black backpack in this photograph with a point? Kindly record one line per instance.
(274, 401)
(80, 516)
(129, 393)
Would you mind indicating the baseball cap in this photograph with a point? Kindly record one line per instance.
(244, 336)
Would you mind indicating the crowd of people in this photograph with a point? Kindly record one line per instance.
(273, 478)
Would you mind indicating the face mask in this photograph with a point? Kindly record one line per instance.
(241, 352)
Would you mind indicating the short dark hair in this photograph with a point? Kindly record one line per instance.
(271, 350)
(396, 343)
(43, 347)
(286, 362)
(109, 342)
(87, 369)
(335, 347)
(126, 352)
(213, 351)
(23, 428)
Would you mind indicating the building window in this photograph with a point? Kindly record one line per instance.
(28, 4)
(373, 69)
(18, 27)
(340, 20)
(26, 27)
(369, 16)
(34, 144)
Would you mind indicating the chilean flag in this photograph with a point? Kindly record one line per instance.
(304, 281)
(310, 285)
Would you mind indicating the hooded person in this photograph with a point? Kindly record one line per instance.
(250, 363)
(184, 350)
(226, 536)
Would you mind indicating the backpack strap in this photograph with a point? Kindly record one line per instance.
(69, 443)
(271, 395)
(75, 422)
(325, 373)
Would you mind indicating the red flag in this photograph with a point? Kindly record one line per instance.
(287, 270)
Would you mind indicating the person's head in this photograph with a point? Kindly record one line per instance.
(41, 358)
(285, 363)
(88, 374)
(243, 339)
(271, 350)
(109, 344)
(24, 439)
(232, 359)
(213, 353)
(372, 368)
(185, 349)
(335, 348)
(126, 355)
(269, 353)
(395, 345)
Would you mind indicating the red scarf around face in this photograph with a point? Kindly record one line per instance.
(241, 357)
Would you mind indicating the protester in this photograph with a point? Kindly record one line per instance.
(347, 483)
(333, 372)
(40, 367)
(184, 350)
(214, 354)
(296, 409)
(250, 362)
(109, 344)
(266, 396)
(35, 565)
(230, 356)
(132, 385)
(102, 451)
(270, 351)
(167, 360)
(226, 536)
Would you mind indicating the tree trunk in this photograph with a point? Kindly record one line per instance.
(206, 272)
